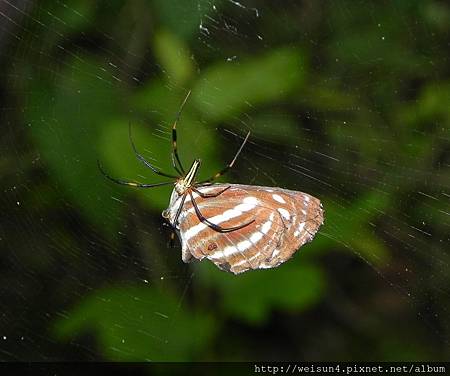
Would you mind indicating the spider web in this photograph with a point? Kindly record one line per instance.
(346, 102)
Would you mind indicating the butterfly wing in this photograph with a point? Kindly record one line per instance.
(280, 222)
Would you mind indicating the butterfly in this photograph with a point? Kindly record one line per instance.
(237, 227)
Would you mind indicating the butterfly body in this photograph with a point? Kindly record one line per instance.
(276, 222)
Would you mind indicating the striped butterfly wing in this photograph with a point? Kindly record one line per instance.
(283, 220)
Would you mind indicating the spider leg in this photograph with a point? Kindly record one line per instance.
(130, 183)
(175, 157)
(207, 195)
(203, 184)
(229, 165)
(213, 225)
(177, 215)
(143, 160)
(174, 165)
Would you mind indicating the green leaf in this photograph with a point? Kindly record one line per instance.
(139, 324)
(228, 89)
(294, 286)
(276, 127)
(174, 56)
(352, 229)
(65, 118)
(182, 17)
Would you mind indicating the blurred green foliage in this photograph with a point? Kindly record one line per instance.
(344, 101)
(251, 297)
(64, 138)
(225, 90)
(140, 324)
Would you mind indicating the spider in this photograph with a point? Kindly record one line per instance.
(184, 183)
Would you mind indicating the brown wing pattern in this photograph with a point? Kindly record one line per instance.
(284, 220)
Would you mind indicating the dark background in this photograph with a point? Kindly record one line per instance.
(346, 100)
